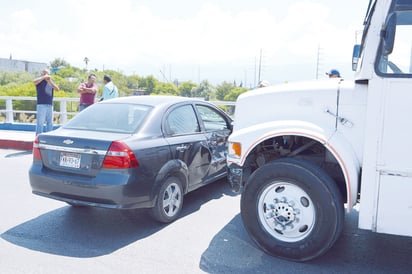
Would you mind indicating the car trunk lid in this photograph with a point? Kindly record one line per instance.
(76, 151)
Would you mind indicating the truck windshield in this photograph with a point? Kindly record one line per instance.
(396, 60)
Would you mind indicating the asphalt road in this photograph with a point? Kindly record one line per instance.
(39, 235)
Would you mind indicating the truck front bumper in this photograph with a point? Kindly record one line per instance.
(235, 177)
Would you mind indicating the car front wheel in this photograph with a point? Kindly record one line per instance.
(169, 201)
(292, 209)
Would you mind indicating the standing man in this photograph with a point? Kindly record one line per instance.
(109, 90)
(44, 88)
(333, 73)
(87, 92)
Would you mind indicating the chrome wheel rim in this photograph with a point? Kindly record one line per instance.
(286, 211)
(172, 199)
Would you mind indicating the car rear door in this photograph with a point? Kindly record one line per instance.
(187, 142)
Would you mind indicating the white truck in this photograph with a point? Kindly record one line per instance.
(300, 151)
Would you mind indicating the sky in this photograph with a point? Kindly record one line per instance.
(188, 40)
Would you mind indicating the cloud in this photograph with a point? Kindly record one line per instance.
(133, 37)
(22, 21)
(18, 31)
(132, 33)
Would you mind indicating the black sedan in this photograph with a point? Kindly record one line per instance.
(133, 152)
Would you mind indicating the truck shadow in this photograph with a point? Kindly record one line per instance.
(356, 251)
(84, 232)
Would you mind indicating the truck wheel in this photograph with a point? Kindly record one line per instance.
(292, 209)
(169, 201)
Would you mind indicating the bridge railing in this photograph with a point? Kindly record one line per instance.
(64, 109)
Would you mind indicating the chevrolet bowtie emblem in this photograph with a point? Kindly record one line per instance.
(68, 142)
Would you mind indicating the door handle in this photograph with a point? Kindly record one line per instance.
(342, 120)
(182, 148)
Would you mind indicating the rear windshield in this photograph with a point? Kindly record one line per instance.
(115, 117)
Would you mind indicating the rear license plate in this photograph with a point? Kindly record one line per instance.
(70, 160)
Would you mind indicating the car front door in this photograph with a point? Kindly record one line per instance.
(217, 128)
(188, 143)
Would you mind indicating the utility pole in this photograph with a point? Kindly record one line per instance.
(254, 83)
(260, 65)
(318, 62)
(198, 74)
(163, 74)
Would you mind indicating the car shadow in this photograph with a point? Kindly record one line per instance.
(356, 251)
(85, 232)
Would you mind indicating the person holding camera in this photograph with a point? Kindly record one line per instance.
(44, 88)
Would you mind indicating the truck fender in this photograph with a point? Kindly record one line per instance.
(349, 163)
(334, 142)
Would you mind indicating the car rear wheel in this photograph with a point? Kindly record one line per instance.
(169, 201)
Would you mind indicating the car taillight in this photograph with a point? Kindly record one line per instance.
(120, 155)
(36, 149)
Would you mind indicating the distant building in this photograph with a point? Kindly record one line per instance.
(19, 65)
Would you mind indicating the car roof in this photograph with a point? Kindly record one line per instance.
(151, 100)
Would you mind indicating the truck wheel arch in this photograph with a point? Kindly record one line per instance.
(349, 163)
(336, 145)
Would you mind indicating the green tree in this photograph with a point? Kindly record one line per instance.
(67, 72)
(149, 84)
(7, 77)
(165, 89)
(27, 89)
(59, 63)
(86, 61)
(223, 89)
(185, 88)
(12, 89)
(133, 81)
(204, 90)
(68, 85)
(234, 93)
(68, 78)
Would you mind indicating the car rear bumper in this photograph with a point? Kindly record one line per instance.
(108, 190)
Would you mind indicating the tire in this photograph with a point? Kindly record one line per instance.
(169, 201)
(292, 209)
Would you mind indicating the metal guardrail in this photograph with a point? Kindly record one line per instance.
(10, 111)
(63, 112)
